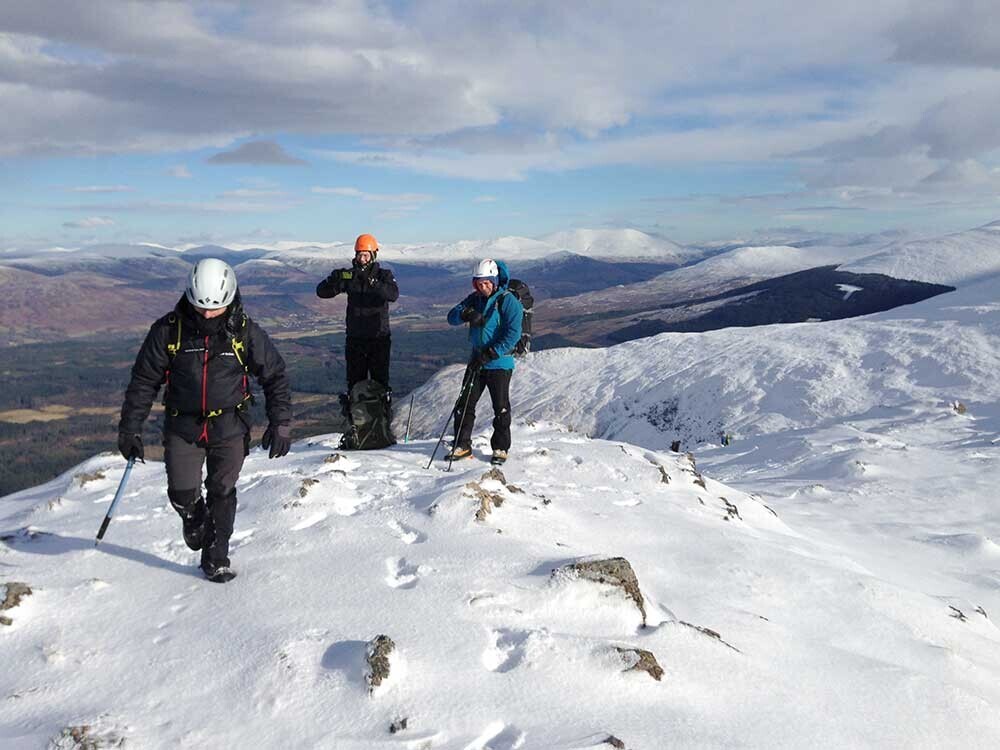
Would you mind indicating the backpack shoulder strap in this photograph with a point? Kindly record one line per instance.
(239, 345)
(174, 346)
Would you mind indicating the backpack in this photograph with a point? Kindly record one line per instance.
(520, 290)
(367, 411)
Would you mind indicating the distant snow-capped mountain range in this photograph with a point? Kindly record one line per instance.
(948, 259)
(591, 286)
(626, 245)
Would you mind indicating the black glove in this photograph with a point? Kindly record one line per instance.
(486, 355)
(344, 278)
(472, 316)
(362, 280)
(130, 446)
(278, 438)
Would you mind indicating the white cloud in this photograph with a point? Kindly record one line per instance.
(180, 171)
(225, 205)
(92, 222)
(349, 192)
(949, 32)
(484, 199)
(252, 193)
(102, 189)
(445, 66)
(498, 91)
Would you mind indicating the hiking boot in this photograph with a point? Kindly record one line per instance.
(499, 457)
(194, 527)
(458, 453)
(217, 574)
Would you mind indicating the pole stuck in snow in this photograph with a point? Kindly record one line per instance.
(409, 416)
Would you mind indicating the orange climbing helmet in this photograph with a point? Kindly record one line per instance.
(366, 243)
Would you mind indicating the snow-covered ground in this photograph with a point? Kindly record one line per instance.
(832, 580)
(768, 636)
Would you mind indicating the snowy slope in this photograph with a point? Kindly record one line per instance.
(727, 270)
(847, 561)
(759, 380)
(768, 637)
(955, 259)
(620, 244)
(877, 437)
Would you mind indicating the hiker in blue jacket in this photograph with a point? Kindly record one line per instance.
(494, 317)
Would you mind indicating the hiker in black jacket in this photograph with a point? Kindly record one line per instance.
(369, 288)
(204, 353)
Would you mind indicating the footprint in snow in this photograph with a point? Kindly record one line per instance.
(498, 736)
(506, 650)
(406, 534)
(241, 538)
(628, 502)
(310, 521)
(402, 575)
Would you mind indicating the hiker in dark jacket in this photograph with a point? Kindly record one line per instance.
(494, 317)
(204, 353)
(369, 288)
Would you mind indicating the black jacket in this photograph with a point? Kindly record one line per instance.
(369, 292)
(205, 375)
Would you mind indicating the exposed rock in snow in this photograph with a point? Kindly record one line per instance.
(95, 736)
(640, 660)
(398, 725)
(377, 656)
(615, 571)
(13, 594)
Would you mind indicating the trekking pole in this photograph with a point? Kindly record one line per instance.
(451, 456)
(443, 431)
(406, 435)
(118, 496)
(467, 383)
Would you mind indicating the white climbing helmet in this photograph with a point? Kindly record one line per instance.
(486, 269)
(211, 285)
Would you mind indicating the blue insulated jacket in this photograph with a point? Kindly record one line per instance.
(501, 329)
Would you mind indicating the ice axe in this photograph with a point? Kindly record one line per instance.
(118, 496)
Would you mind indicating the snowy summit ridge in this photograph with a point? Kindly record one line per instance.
(829, 578)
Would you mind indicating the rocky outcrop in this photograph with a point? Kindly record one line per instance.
(85, 737)
(614, 571)
(693, 470)
(489, 499)
(377, 656)
(87, 477)
(14, 592)
(640, 660)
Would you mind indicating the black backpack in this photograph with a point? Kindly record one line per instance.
(520, 290)
(367, 411)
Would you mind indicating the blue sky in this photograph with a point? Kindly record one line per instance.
(261, 121)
